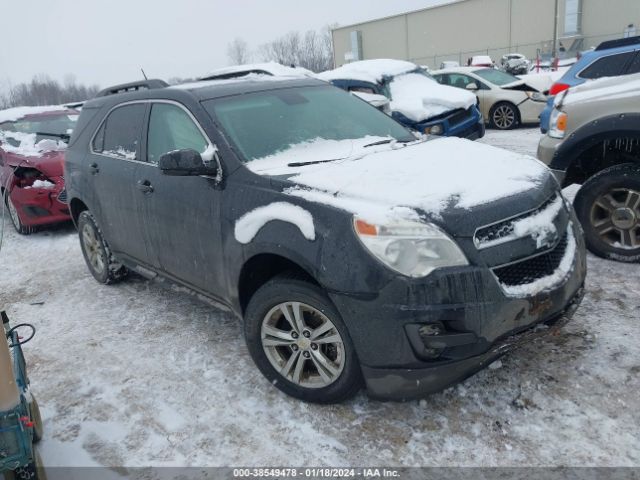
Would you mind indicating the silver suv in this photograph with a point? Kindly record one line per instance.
(594, 140)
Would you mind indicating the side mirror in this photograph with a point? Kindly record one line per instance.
(185, 162)
(472, 86)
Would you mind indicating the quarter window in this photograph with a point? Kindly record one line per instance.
(634, 66)
(119, 134)
(171, 128)
(610, 66)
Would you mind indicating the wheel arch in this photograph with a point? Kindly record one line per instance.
(76, 207)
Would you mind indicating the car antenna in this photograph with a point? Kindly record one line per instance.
(143, 74)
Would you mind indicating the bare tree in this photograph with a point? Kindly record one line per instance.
(311, 50)
(238, 52)
(42, 90)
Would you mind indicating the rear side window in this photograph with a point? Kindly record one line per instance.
(610, 66)
(634, 67)
(119, 134)
(171, 128)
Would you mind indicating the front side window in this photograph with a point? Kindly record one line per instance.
(460, 81)
(171, 128)
(609, 66)
(265, 123)
(119, 134)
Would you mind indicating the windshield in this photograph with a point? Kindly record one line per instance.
(54, 125)
(497, 77)
(265, 123)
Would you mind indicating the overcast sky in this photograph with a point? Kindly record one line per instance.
(107, 41)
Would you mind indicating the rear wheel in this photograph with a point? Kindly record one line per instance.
(102, 265)
(299, 342)
(15, 218)
(608, 206)
(504, 116)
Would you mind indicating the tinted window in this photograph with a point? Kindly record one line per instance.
(634, 67)
(119, 135)
(171, 128)
(609, 66)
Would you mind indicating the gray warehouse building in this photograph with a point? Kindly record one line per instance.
(463, 28)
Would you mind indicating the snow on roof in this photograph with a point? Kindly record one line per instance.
(481, 60)
(16, 113)
(270, 68)
(611, 88)
(419, 98)
(368, 70)
(27, 146)
(430, 176)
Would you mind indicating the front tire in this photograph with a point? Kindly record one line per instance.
(15, 218)
(299, 342)
(102, 265)
(504, 116)
(608, 206)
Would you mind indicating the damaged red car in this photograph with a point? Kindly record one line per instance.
(32, 145)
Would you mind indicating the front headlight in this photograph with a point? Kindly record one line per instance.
(537, 97)
(557, 124)
(413, 249)
(434, 130)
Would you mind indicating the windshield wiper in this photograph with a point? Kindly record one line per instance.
(388, 140)
(65, 137)
(314, 162)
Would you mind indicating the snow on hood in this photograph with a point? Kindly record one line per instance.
(13, 114)
(419, 98)
(372, 71)
(27, 146)
(395, 181)
(271, 68)
(611, 88)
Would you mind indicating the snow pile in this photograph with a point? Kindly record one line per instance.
(27, 145)
(42, 184)
(429, 176)
(611, 88)
(269, 68)
(540, 225)
(250, 223)
(419, 98)
(372, 71)
(16, 113)
(550, 281)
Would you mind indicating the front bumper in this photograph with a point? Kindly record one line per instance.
(530, 111)
(547, 152)
(41, 206)
(480, 322)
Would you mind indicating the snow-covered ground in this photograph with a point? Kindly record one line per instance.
(135, 375)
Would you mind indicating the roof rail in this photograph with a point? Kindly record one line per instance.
(621, 42)
(133, 87)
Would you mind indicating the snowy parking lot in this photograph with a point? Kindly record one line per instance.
(138, 375)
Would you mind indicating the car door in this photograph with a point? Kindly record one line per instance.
(113, 169)
(182, 212)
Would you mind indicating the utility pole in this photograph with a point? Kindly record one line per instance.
(554, 48)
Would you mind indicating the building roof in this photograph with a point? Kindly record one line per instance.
(444, 3)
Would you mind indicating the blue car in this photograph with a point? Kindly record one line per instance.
(417, 100)
(609, 59)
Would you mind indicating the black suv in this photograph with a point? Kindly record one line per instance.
(352, 250)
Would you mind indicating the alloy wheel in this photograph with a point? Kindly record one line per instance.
(615, 216)
(504, 117)
(94, 249)
(303, 345)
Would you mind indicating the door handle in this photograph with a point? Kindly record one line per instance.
(145, 186)
(93, 168)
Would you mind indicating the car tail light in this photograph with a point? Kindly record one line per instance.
(557, 88)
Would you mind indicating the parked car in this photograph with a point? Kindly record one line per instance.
(515, 64)
(417, 100)
(505, 101)
(32, 144)
(449, 64)
(594, 140)
(271, 69)
(610, 59)
(352, 251)
(480, 61)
